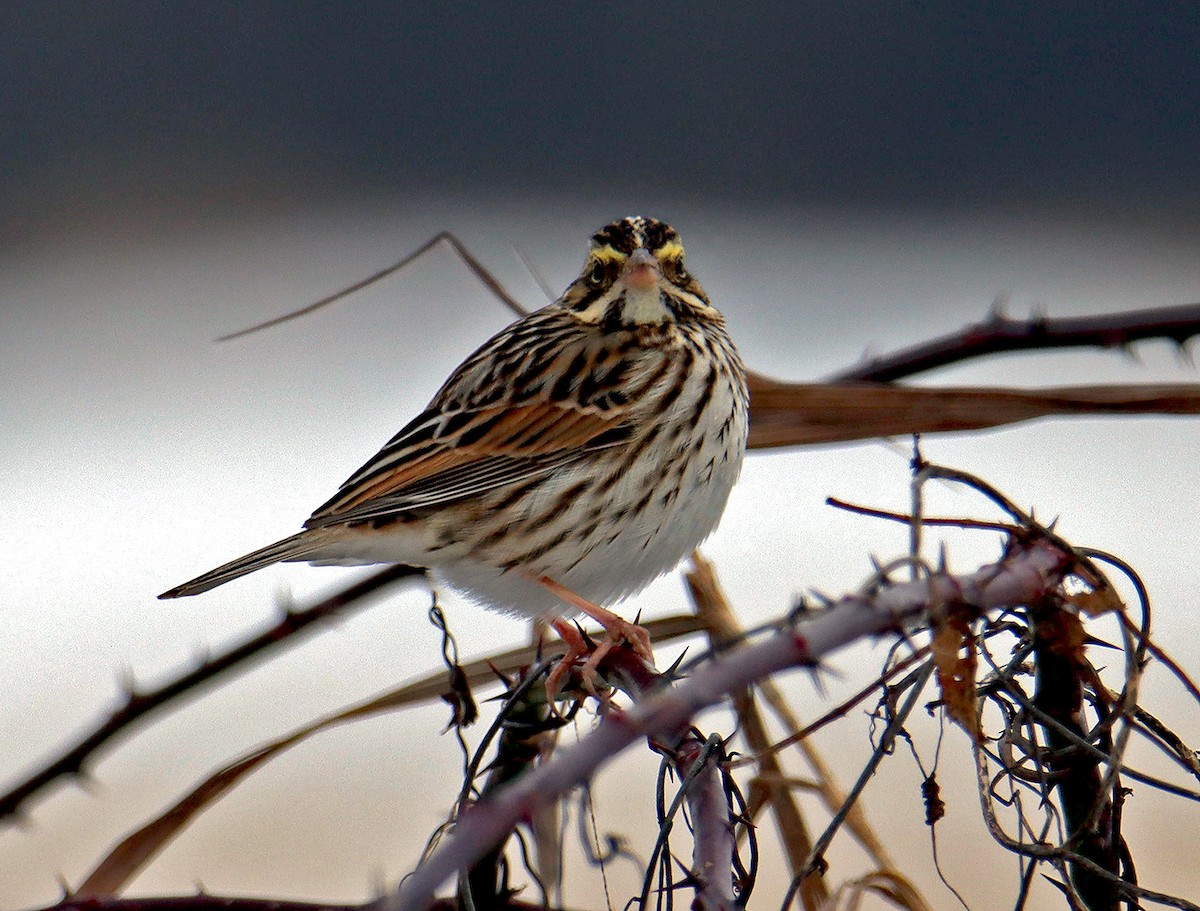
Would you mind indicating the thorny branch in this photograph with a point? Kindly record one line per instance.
(139, 706)
(1025, 573)
(1000, 333)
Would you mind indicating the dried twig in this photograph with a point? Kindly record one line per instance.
(718, 618)
(139, 706)
(999, 333)
(1025, 573)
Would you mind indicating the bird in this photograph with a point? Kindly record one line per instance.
(576, 456)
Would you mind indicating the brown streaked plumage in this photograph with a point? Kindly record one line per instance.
(591, 444)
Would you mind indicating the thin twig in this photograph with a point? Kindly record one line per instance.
(139, 706)
(1025, 573)
(476, 267)
(999, 334)
(816, 856)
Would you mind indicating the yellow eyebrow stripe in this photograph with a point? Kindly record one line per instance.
(672, 249)
(608, 255)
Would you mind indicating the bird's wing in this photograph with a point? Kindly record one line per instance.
(444, 456)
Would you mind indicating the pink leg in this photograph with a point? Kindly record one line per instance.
(576, 648)
(616, 628)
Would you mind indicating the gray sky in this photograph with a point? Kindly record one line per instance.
(935, 104)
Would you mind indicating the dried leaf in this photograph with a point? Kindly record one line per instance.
(1096, 602)
(953, 651)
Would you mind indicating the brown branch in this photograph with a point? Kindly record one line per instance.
(1088, 812)
(806, 414)
(862, 403)
(722, 626)
(139, 706)
(1000, 334)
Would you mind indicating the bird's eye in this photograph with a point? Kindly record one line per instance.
(595, 275)
(681, 274)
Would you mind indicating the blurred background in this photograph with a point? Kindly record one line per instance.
(847, 178)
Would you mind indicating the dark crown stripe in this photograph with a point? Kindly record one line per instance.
(628, 234)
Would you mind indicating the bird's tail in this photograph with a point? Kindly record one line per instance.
(297, 547)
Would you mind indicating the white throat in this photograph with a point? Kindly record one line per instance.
(645, 306)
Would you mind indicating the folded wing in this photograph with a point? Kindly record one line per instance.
(443, 457)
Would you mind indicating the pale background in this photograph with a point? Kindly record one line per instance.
(844, 181)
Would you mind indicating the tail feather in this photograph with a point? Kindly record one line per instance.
(294, 548)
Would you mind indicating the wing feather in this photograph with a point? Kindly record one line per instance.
(507, 445)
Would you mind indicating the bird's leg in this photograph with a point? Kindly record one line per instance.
(577, 647)
(615, 627)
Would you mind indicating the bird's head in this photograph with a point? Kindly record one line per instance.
(635, 276)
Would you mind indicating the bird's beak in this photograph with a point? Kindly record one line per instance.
(641, 271)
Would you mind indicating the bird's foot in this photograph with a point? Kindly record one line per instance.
(616, 628)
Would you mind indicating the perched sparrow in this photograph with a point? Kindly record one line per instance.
(576, 456)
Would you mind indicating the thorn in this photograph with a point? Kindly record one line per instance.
(1183, 352)
(1131, 353)
(1059, 885)
(996, 313)
(671, 674)
(587, 640)
(504, 678)
(742, 819)
(800, 609)
(818, 684)
(881, 574)
(1100, 643)
(817, 672)
(822, 600)
(1038, 317)
(126, 682)
(1053, 523)
(943, 562)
